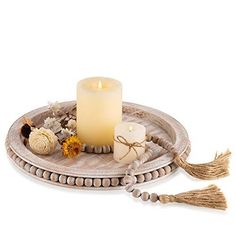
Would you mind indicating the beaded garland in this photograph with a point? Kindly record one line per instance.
(210, 197)
(130, 180)
(86, 182)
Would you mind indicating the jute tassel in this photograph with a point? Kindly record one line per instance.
(212, 170)
(217, 168)
(210, 197)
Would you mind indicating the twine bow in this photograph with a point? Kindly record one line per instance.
(131, 146)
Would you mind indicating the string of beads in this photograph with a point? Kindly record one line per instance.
(130, 178)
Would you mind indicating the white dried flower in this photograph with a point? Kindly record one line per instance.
(52, 124)
(55, 108)
(67, 133)
(71, 124)
(43, 141)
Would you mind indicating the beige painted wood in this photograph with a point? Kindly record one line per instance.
(102, 165)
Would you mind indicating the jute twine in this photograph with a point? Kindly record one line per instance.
(131, 146)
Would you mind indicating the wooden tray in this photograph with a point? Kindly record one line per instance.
(99, 171)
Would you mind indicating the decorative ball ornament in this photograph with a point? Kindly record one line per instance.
(42, 141)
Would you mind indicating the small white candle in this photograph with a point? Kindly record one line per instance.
(99, 110)
(129, 133)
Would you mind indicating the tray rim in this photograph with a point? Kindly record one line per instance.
(21, 164)
(181, 137)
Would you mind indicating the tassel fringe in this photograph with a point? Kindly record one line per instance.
(210, 197)
(217, 168)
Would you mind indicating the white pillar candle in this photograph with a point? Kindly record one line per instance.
(99, 110)
(129, 142)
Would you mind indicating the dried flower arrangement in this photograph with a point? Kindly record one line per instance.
(59, 128)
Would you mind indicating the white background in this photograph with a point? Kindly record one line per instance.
(177, 56)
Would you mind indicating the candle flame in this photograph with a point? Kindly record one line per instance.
(130, 128)
(100, 84)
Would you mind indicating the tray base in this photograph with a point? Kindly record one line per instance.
(99, 171)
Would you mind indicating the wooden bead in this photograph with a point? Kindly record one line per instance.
(145, 196)
(22, 163)
(79, 182)
(140, 178)
(154, 139)
(112, 148)
(115, 182)
(149, 138)
(161, 172)
(135, 165)
(122, 182)
(88, 182)
(136, 193)
(129, 166)
(33, 170)
(97, 183)
(106, 149)
(155, 174)
(90, 149)
(27, 167)
(174, 152)
(143, 158)
(130, 172)
(106, 182)
(150, 152)
(9, 152)
(46, 174)
(129, 188)
(7, 147)
(173, 166)
(54, 177)
(83, 149)
(129, 179)
(18, 161)
(13, 156)
(98, 149)
(167, 169)
(71, 180)
(154, 197)
(148, 176)
(39, 173)
(146, 156)
(62, 179)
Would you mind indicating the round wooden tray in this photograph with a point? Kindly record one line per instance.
(99, 171)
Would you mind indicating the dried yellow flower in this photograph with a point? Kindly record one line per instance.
(71, 147)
